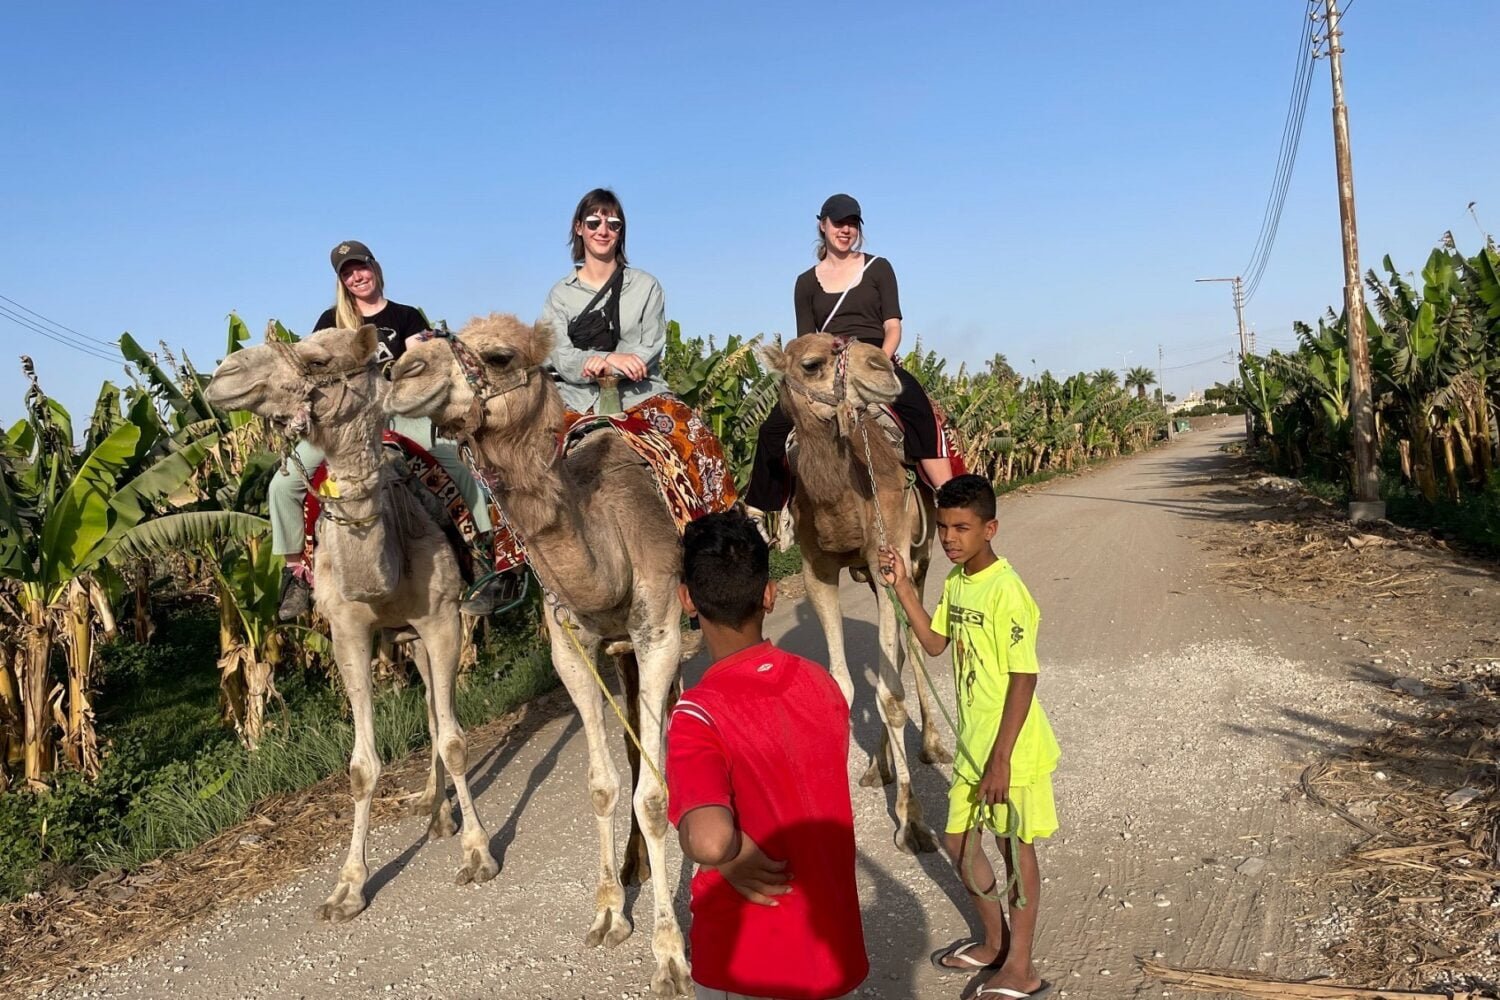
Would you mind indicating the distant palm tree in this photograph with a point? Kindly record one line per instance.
(1105, 378)
(1138, 378)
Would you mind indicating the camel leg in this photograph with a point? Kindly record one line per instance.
(659, 666)
(821, 580)
(912, 834)
(933, 751)
(351, 649)
(442, 636)
(822, 584)
(432, 800)
(610, 925)
(636, 869)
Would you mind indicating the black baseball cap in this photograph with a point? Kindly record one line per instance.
(841, 206)
(347, 251)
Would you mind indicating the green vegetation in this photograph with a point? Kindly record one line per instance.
(1435, 369)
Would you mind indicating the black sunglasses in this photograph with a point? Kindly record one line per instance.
(593, 222)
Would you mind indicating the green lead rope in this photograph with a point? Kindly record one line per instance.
(1012, 832)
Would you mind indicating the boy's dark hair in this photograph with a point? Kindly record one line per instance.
(970, 492)
(725, 564)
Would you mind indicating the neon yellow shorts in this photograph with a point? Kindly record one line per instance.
(1036, 811)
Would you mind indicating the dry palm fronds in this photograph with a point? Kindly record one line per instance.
(1252, 985)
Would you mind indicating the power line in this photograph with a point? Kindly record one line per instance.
(1220, 357)
(38, 328)
(57, 325)
(1286, 161)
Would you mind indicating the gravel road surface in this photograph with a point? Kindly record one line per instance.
(1184, 710)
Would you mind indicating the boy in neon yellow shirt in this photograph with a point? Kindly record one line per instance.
(1002, 778)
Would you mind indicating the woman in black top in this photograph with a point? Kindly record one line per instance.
(851, 294)
(359, 299)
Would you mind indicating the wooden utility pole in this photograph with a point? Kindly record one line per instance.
(1239, 321)
(1161, 394)
(1366, 505)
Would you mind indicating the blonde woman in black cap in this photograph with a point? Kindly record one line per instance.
(848, 293)
(359, 298)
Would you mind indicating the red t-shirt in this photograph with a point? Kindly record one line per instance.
(766, 735)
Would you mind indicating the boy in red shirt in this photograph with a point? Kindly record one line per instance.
(758, 788)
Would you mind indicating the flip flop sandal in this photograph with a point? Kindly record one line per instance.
(1010, 994)
(959, 951)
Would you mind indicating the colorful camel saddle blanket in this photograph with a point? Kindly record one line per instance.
(427, 471)
(683, 454)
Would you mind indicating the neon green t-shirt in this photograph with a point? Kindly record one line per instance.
(990, 621)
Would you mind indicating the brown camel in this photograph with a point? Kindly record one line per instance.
(382, 562)
(605, 549)
(851, 493)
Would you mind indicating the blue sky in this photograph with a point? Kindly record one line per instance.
(1048, 179)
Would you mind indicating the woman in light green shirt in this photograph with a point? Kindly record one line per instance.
(636, 312)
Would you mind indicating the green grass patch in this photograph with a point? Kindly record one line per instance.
(173, 776)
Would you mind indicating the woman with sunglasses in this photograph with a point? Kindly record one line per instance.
(848, 293)
(610, 319)
(610, 325)
(359, 299)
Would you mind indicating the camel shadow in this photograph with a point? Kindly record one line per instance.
(481, 777)
(497, 760)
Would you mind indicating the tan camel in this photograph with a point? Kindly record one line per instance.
(605, 548)
(382, 562)
(830, 389)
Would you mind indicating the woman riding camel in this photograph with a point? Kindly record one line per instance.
(848, 293)
(609, 321)
(359, 299)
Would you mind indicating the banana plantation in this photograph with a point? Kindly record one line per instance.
(1434, 345)
(157, 508)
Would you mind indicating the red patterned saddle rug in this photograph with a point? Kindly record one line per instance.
(429, 472)
(683, 454)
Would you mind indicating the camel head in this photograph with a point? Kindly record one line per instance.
(325, 380)
(488, 376)
(820, 372)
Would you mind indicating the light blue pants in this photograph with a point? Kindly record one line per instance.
(287, 491)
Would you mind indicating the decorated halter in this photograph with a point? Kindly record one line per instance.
(481, 386)
(846, 410)
(316, 380)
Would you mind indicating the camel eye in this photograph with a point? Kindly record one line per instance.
(498, 359)
(811, 365)
(317, 362)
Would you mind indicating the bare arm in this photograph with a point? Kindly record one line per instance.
(709, 836)
(893, 571)
(994, 786)
(892, 342)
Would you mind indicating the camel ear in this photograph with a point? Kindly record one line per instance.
(366, 341)
(543, 337)
(773, 357)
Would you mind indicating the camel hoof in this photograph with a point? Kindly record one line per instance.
(479, 866)
(936, 753)
(672, 978)
(344, 905)
(416, 804)
(610, 928)
(442, 824)
(915, 838)
(871, 778)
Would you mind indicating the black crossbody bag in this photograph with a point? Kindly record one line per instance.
(596, 328)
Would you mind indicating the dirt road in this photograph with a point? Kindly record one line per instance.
(1184, 712)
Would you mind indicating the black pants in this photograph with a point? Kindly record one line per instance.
(771, 481)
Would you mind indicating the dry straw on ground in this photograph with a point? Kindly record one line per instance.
(1419, 897)
(53, 937)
